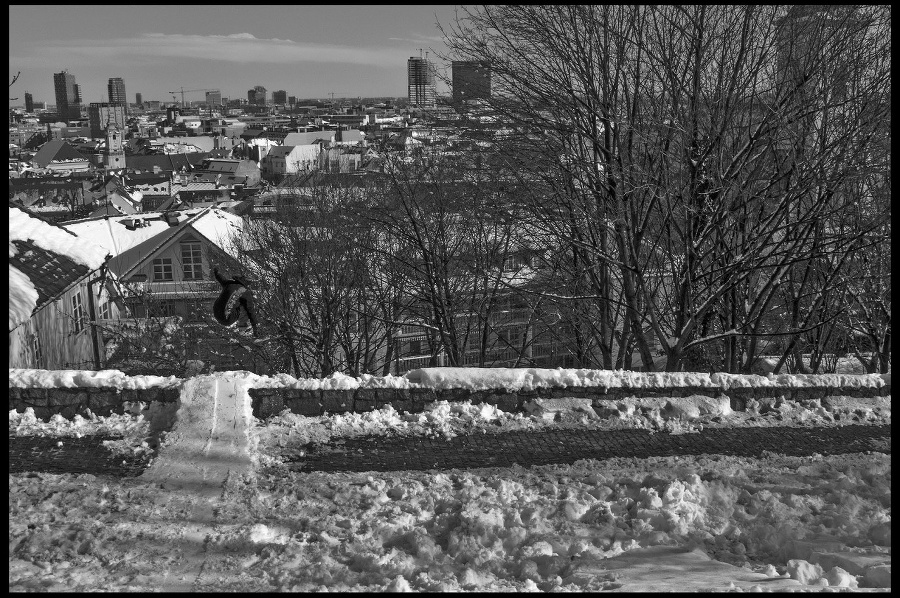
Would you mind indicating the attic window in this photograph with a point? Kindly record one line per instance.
(162, 269)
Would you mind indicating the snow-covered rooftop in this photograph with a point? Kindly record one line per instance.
(23, 295)
(113, 234)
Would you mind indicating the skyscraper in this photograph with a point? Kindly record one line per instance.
(279, 97)
(471, 80)
(257, 95)
(420, 83)
(138, 99)
(117, 92)
(68, 96)
(29, 102)
(213, 98)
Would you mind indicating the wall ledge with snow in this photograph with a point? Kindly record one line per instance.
(70, 392)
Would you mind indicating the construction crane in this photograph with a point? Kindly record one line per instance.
(183, 91)
(16, 78)
(331, 93)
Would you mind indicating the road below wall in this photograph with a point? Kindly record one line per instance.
(567, 446)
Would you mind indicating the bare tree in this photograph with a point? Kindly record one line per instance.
(450, 235)
(318, 285)
(690, 160)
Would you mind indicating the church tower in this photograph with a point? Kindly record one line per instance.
(114, 154)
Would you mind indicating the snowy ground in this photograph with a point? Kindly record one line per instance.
(685, 523)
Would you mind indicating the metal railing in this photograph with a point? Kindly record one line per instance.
(181, 288)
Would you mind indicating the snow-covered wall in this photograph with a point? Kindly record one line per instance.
(73, 391)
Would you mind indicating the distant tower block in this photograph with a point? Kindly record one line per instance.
(421, 90)
(116, 87)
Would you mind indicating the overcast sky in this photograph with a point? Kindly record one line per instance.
(309, 51)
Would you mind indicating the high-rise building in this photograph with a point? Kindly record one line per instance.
(117, 95)
(68, 96)
(471, 80)
(102, 115)
(138, 99)
(214, 98)
(29, 102)
(420, 89)
(279, 97)
(257, 95)
(802, 32)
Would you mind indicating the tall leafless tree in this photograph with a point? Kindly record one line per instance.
(692, 160)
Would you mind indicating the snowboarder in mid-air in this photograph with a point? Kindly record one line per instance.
(235, 303)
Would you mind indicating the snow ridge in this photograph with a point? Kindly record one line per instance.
(475, 379)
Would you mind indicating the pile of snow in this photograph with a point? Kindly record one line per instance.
(136, 431)
(473, 379)
(336, 381)
(528, 379)
(32, 378)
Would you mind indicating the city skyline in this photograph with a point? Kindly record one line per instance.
(309, 51)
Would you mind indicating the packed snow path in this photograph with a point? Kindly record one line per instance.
(210, 440)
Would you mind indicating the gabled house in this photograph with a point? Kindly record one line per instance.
(350, 137)
(291, 159)
(164, 260)
(339, 159)
(58, 156)
(155, 188)
(164, 164)
(59, 288)
(235, 168)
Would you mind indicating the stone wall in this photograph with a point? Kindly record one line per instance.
(68, 402)
(271, 401)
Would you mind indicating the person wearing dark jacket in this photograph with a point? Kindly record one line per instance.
(235, 302)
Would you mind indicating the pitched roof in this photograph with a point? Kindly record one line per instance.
(56, 150)
(252, 133)
(350, 136)
(308, 138)
(165, 162)
(132, 246)
(49, 272)
(44, 260)
(230, 166)
(279, 151)
(26, 225)
(204, 142)
(146, 178)
(215, 225)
